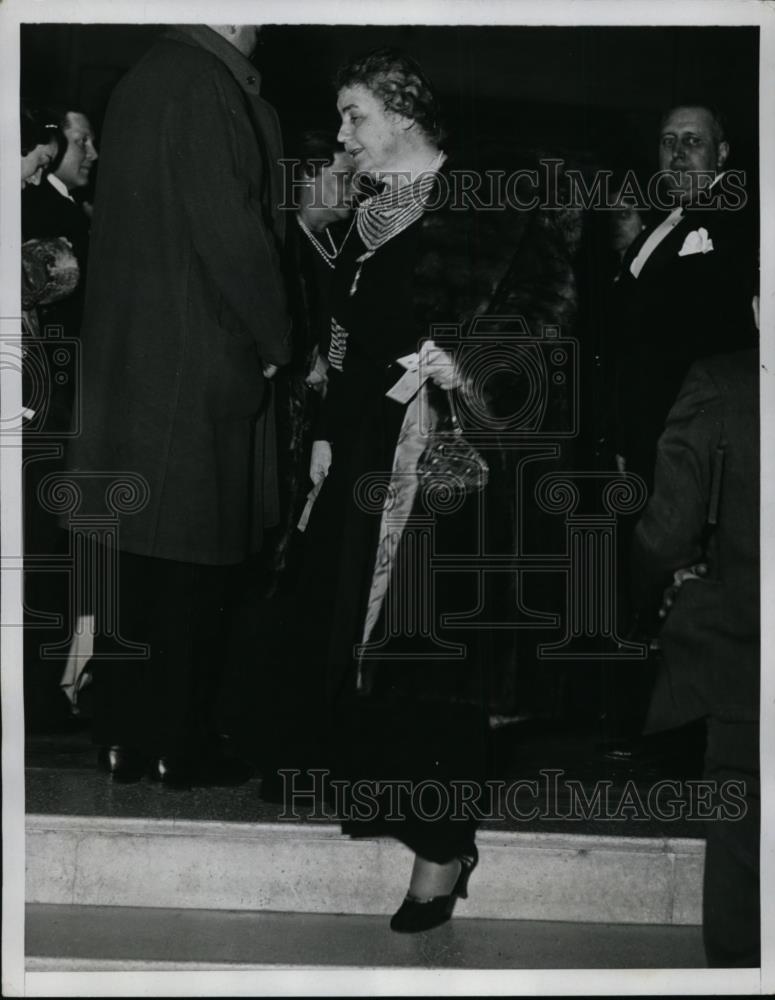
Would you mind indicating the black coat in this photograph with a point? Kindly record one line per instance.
(679, 309)
(185, 299)
(47, 213)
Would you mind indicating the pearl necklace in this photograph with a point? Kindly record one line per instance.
(328, 257)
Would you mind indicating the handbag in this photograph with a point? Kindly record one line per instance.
(450, 462)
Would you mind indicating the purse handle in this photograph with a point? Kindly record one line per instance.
(456, 429)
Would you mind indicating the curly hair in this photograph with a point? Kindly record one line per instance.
(399, 82)
(38, 128)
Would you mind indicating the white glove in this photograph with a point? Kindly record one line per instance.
(317, 378)
(438, 366)
(320, 462)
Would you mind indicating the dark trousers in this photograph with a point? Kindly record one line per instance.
(46, 592)
(730, 906)
(165, 703)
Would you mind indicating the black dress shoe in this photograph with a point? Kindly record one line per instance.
(220, 764)
(123, 764)
(172, 772)
(424, 914)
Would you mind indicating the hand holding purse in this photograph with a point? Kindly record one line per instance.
(450, 461)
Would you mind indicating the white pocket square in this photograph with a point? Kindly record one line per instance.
(697, 241)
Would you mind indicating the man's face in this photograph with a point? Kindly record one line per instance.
(687, 144)
(374, 137)
(75, 168)
(334, 186)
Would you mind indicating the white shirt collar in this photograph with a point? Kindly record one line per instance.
(59, 186)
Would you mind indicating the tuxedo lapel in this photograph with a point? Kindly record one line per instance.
(667, 251)
(634, 249)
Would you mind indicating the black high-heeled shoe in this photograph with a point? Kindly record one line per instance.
(424, 914)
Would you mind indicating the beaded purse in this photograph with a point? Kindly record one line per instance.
(449, 462)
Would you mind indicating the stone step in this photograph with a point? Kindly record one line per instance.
(125, 939)
(309, 867)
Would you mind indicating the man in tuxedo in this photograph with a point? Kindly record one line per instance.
(185, 319)
(683, 293)
(684, 288)
(50, 208)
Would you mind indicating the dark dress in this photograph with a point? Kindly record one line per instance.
(50, 274)
(412, 711)
(55, 366)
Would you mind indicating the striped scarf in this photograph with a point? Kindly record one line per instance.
(379, 218)
(382, 216)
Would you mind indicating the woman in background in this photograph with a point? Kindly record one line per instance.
(323, 183)
(50, 273)
(41, 143)
(319, 172)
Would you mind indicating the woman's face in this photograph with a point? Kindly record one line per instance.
(333, 186)
(374, 138)
(35, 162)
(626, 224)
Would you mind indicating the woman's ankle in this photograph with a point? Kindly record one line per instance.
(430, 879)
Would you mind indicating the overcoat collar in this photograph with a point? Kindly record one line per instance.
(262, 114)
(243, 71)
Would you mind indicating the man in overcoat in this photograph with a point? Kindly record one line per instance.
(185, 318)
(705, 510)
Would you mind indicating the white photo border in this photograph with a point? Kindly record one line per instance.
(369, 982)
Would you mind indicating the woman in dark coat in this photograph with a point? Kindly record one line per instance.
(398, 702)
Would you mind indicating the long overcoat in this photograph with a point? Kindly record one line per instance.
(185, 301)
(705, 507)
